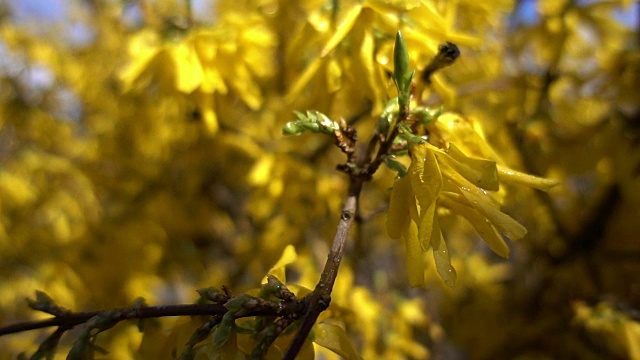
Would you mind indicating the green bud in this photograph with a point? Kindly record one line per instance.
(326, 123)
(402, 74)
(43, 302)
(292, 128)
(314, 127)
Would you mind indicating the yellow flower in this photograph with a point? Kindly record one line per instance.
(348, 55)
(449, 178)
(234, 55)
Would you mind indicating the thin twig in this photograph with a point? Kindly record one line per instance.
(319, 299)
(73, 319)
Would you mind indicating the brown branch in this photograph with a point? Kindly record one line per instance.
(319, 299)
(145, 312)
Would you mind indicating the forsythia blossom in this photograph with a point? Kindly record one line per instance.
(205, 64)
(447, 176)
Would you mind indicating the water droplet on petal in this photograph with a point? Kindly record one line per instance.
(451, 276)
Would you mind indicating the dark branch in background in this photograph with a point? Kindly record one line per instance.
(593, 230)
(447, 55)
(72, 319)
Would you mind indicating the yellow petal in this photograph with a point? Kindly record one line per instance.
(212, 81)
(505, 223)
(385, 6)
(343, 29)
(443, 262)
(262, 170)
(367, 54)
(415, 259)
(467, 136)
(426, 228)
(481, 224)
(206, 106)
(426, 179)
(188, 70)
(454, 182)
(334, 338)
(399, 204)
(288, 256)
(481, 172)
(443, 88)
(142, 50)
(303, 80)
(334, 76)
(515, 177)
(436, 232)
(242, 81)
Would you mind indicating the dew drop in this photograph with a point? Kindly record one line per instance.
(451, 276)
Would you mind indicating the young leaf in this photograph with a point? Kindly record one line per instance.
(292, 128)
(224, 330)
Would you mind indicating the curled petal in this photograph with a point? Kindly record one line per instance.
(482, 225)
(443, 262)
(505, 223)
(426, 179)
(482, 173)
(427, 228)
(515, 177)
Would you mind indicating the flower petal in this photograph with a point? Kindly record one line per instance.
(415, 256)
(398, 214)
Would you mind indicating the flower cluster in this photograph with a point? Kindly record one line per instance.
(205, 63)
(444, 174)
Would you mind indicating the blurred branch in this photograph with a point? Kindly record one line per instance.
(447, 55)
(72, 319)
(586, 240)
